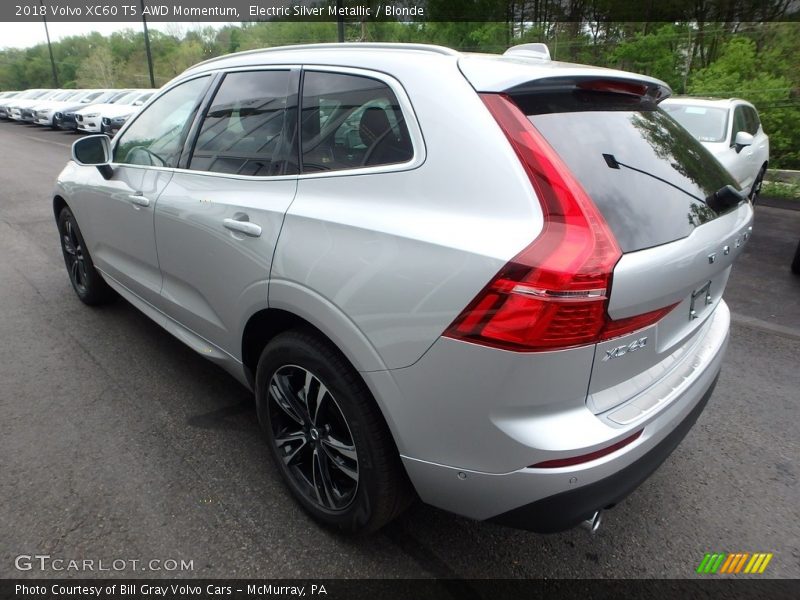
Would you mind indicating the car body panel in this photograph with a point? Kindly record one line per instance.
(215, 278)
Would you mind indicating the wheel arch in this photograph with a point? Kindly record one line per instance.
(59, 204)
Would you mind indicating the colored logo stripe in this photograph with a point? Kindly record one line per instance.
(732, 563)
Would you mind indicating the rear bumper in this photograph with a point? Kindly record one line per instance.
(567, 509)
(489, 416)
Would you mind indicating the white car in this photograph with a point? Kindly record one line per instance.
(23, 101)
(43, 111)
(90, 119)
(732, 132)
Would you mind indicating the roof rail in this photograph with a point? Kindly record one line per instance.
(341, 45)
(536, 50)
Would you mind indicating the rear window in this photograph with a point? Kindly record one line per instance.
(647, 175)
(706, 123)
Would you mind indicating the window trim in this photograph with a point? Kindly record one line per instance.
(216, 76)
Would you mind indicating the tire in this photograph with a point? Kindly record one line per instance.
(335, 453)
(86, 281)
(796, 261)
(756, 189)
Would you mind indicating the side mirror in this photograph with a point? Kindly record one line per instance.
(742, 139)
(94, 151)
(138, 103)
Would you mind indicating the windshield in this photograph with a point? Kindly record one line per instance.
(127, 98)
(706, 123)
(91, 97)
(645, 173)
(104, 97)
(116, 98)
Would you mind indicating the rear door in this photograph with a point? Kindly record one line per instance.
(654, 184)
(218, 220)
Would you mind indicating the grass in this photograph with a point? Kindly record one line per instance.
(776, 189)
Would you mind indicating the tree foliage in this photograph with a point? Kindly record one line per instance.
(715, 48)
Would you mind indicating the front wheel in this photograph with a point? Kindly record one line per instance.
(327, 436)
(86, 281)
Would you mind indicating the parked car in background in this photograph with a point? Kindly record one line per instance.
(111, 126)
(90, 119)
(21, 109)
(732, 131)
(27, 112)
(43, 111)
(64, 118)
(516, 319)
(8, 106)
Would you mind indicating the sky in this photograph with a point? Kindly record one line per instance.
(24, 35)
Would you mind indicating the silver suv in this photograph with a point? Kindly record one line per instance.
(494, 282)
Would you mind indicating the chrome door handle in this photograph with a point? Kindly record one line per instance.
(139, 200)
(245, 227)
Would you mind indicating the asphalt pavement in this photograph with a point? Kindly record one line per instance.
(118, 442)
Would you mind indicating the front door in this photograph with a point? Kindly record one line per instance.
(121, 209)
(217, 223)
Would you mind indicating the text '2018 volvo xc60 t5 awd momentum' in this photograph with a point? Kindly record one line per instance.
(494, 282)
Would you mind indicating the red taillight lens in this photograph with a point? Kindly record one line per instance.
(584, 458)
(552, 294)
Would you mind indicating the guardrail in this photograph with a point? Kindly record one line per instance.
(783, 176)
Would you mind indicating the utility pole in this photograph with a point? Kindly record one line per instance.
(339, 21)
(49, 45)
(147, 47)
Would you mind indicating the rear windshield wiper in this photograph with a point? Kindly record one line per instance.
(613, 163)
(724, 198)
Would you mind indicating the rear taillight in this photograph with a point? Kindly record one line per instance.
(554, 293)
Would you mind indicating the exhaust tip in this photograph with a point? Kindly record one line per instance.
(592, 524)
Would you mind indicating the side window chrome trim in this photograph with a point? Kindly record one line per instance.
(414, 130)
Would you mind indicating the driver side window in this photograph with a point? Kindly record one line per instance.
(156, 137)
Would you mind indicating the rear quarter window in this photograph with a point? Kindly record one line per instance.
(351, 122)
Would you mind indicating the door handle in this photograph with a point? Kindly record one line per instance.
(139, 200)
(245, 227)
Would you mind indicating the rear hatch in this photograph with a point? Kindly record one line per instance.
(663, 196)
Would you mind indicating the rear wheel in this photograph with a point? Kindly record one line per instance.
(327, 436)
(86, 281)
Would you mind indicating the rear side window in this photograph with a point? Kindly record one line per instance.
(245, 129)
(648, 176)
(350, 122)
